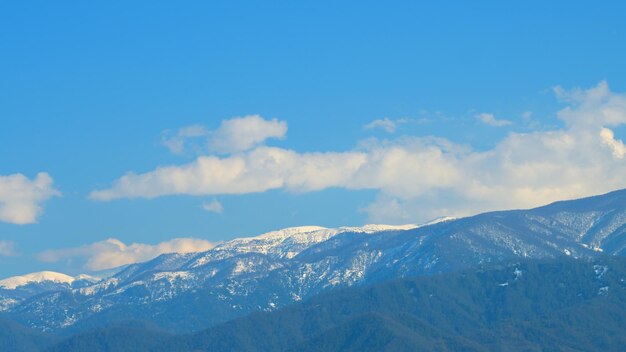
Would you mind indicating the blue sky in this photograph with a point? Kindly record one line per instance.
(469, 118)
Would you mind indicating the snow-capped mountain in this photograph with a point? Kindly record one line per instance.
(16, 289)
(188, 291)
(36, 278)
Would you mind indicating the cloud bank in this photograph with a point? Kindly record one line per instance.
(419, 178)
(21, 198)
(113, 253)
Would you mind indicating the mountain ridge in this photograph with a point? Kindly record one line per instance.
(269, 271)
(556, 304)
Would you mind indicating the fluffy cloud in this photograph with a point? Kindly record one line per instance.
(213, 206)
(243, 133)
(421, 178)
(617, 146)
(233, 135)
(7, 248)
(21, 198)
(491, 120)
(113, 253)
(258, 170)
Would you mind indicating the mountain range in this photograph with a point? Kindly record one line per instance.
(558, 304)
(183, 293)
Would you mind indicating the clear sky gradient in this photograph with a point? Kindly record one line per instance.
(444, 108)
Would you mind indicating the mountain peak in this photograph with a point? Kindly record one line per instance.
(14, 282)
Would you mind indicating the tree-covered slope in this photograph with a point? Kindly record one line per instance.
(526, 306)
(17, 338)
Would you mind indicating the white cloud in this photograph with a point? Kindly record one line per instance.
(385, 124)
(490, 119)
(233, 135)
(258, 170)
(244, 133)
(21, 198)
(7, 249)
(593, 107)
(422, 178)
(213, 206)
(112, 252)
(617, 146)
(176, 142)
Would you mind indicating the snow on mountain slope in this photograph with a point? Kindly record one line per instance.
(39, 277)
(277, 268)
(15, 290)
(285, 243)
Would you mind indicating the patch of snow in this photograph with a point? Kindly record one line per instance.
(86, 277)
(592, 247)
(296, 297)
(172, 276)
(438, 220)
(600, 270)
(100, 286)
(243, 267)
(69, 321)
(372, 228)
(7, 303)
